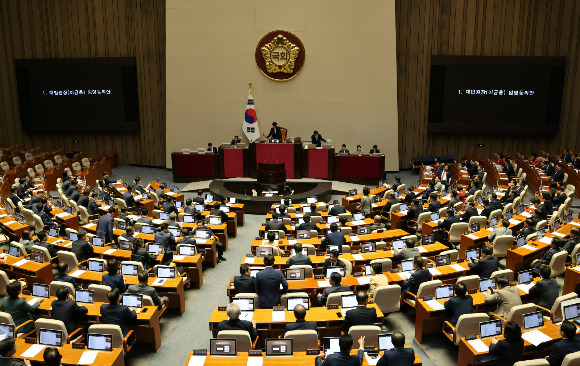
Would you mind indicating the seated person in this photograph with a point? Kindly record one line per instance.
(117, 314)
(7, 352)
(361, 315)
(419, 276)
(414, 210)
(67, 310)
(298, 258)
(399, 356)
(546, 289)
(244, 283)
(377, 224)
(335, 286)
(460, 304)
(169, 207)
(144, 289)
(215, 211)
(300, 324)
(275, 224)
(570, 343)
(544, 260)
(408, 252)
(505, 296)
(112, 278)
(499, 231)
(62, 275)
(307, 225)
(17, 306)
(165, 237)
(81, 247)
(334, 237)
(332, 261)
(573, 241)
(336, 209)
(511, 349)
(234, 322)
(378, 279)
(485, 265)
(343, 358)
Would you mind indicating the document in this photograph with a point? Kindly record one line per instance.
(372, 360)
(323, 283)
(528, 247)
(404, 275)
(77, 273)
(32, 301)
(526, 214)
(159, 281)
(421, 249)
(158, 221)
(88, 357)
(33, 351)
(90, 226)
(247, 315)
(364, 280)
(292, 242)
(21, 262)
(278, 316)
(434, 271)
(358, 257)
(358, 222)
(178, 257)
(559, 234)
(457, 267)
(536, 337)
(62, 214)
(8, 223)
(196, 361)
(514, 221)
(255, 361)
(478, 345)
(546, 240)
(355, 238)
(472, 236)
(575, 223)
(249, 260)
(525, 287)
(109, 251)
(435, 305)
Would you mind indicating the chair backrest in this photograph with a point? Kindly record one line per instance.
(517, 312)
(347, 266)
(76, 166)
(501, 244)
(70, 258)
(154, 198)
(311, 248)
(113, 329)
(471, 281)
(284, 297)
(453, 254)
(387, 263)
(4, 281)
(290, 209)
(557, 308)
(148, 301)
(558, 263)
(313, 234)
(468, 324)
(574, 253)
(345, 230)
(55, 285)
(423, 217)
(28, 218)
(6, 318)
(456, 230)
(541, 224)
(21, 248)
(505, 210)
(51, 324)
(442, 211)
(395, 208)
(120, 203)
(39, 169)
(335, 298)
(572, 359)
(370, 332)
(536, 362)
(44, 251)
(5, 166)
(31, 172)
(503, 272)
(303, 339)
(308, 271)
(347, 215)
(250, 295)
(75, 207)
(401, 188)
(16, 160)
(48, 164)
(281, 233)
(316, 219)
(427, 288)
(38, 224)
(275, 249)
(242, 337)
(58, 159)
(495, 213)
(101, 292)
(387, 298)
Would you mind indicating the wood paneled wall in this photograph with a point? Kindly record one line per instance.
(88, 28)
(483, 28)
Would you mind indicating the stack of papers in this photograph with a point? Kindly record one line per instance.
(457, 267)
(372, 360)
(158, 221)
(404, 275)
(109, 251)
(178, 257)
(472, 236)
(88, 357)
(249, 260)
(421, 249)
(435, 305)
(536, 337)
(525, 287)
(323, 283)
(546, 240)
(364, 280)
(247, 315)
(575, 223)
(33, 351)
(358, 222)
(159, 281)
(526, 246)
(32, 301)
(292, 242)
(255, 361)
(77, 273)
(21, 262)
(526, 214)
(559, 234)
(196, 361)
(278, 316)
(434, 271)
(358, 257)
(62, 214)
(478, 345)
(355, 238)
(8, 223)
(514, 221)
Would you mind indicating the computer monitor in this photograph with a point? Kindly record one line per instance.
(434, 216)
(163, 216)
(73, 236)
(99, 342)
(556, 224)
(202, 234)
(331, 345)
(352, 192)
(533, 320)
(311, 200)
(98, 241)
(146, 229)
(198, 207)
(332, 219)
(52, 232)
(521, 241)
(363, 230)
(245, 304)
(541, 233)
(403, 207)
(348, 301)
(369, 247)
(85, 296)
(178, 205)
(232, 200)
(490, 328)
(480, 201)
(493, 221)
(330, 248)
(94, 265)
(129, 269)
(521, 208)
(569, 216)
(385, 342)
(222, 347)
(474, 227)
(111, 203)
(188, 219)
(525, 276)
(125, 245)
(155, 248)
(59, 204)
(428, 239)
(295, 301)
(37, 257)
(279, 347)
(261, 252)
(295, 274)
(187, 250)
(40, 290)
(175, 190)
(472, 254)
(69, 210)
(6, 331)
(443, 292)
(174, 231)
(254, 271)
(377, 199)
(398, 244)
(331, 270)
(133, 300)
(486, 283)
(407, 265)
(225, 209)
(165, 272)
(276, 234)
(121, 225)
(368, 270)
(571, 311)
(209, 197)
(306, 209)
(358, 216)
(442, 260)
(50, 337)
(215, 220)
(302, 234)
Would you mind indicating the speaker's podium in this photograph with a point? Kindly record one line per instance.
(271, 173)
(234, 160)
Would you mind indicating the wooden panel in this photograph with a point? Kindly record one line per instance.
(483, 28)
(88, 28)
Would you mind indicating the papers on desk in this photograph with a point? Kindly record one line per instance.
(478, 345)
(138, 198)
(546, 240)
(514, 221)
(77, 273)
(9, 223)
(358, 222)
(33, 351)
(299, 215)
(109, 251)
(526, 246)
(159, 281)
(375, 205)
(525, 287)
(344, 311)
(178, 257)
(536, 337)
(201, 241)
(249, 260)
(457, 267)
(88, 357)
(292, 242)
(435, 305)
(247, 315)
(404, 275)
(575, 223)
(355, 238)
(349, 198)
(21, 262)
(364, 280)
(448, 197)
(404, 212)
(105, 208)
(32, 301)
(372, 360)
(58, 241)
(421, 188)
(479, 210)
(358, 257)
(472, 236)
(158, 221)
(434, 271)
(255, 361)
(196, 361)
(526, 214)
(68, 245)
(90, 226)
(278, 316)
(323, 283)
(62, 214)
(421, 249)
(559, 234)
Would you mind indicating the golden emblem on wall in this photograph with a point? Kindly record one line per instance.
(280, 55)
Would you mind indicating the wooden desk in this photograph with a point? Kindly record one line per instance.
(71, 356)
(12, 227)
(318, 162)
(31, 272)
(494, 177)
(232, 224)
(194, 166)
(68, 220)
(571, 280)
(535, 177)
(355, 200)
(234, 161)
(286, 153)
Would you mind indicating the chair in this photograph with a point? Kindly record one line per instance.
(387, 263)
(6, 318)
(28, 218)
(55, 285)
(275, 249)
(118, 340)
(83, 215)
(427, 288)
(138, 264)
(4, 281)
(495, 213)
(556, 311)
(16, 160)
(370, 332)
(86, 163)
(38, 224)
(44, 251)
(76, 166)
(442, 212)
(310, 247)
(335, 298)
(58, 160)
(289, 209)
(313, 234)
(74, 206)
(242, 337)
(456, 230)
(48, 165)
(101, 292)
(281, 233)
(287, 221)
(347, 266)
(453, 254)
(517, 312)
(39, 169)
(570, 189)
(541, 224)
(5, 166)
(394, 208)
(346, 230)
(308, 271)
(21, 248)
(31, 173)
(388, 298)
(471, 282)
(347, 215)
(284, 297)
(466, 324)
(503, 272)
(575, 252)
(572, 359)
(423, 217)
(536, 362)
(558, 263)
(120, 203)
(506, 209)
(501, 245)
(154, 198)
(52, 324)
(303, 339)
(69, 258)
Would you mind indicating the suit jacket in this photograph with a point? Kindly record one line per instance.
(374, 151)
(561, 349)
(34, 200)
(268, 283)
(220, 213)
(406, 253)
(469, 213)
(341, 359)
(487, 211)
(377, 281)
(169, 208)
(92, 207)
(398, 357)
(546, 291)
(20, 311)
(414, 211)
(15, 199)
(570, 244)
(75, 195)
(548, 206)
(275, 225)
(559, 200)
(547, 257)
(333, 238)
(329, 290)
(499, 231)
(299, 258)
(448, 221)
(390, 203)
(245, 284)
(327, 265)
(129, 199)
(167, 239)
(144, 290)
(49, 247)
(82, 249)
(46, 220)
(140, 189)
(63, 277)
(237, 324)
(27, 244)
(343, 151)
(485, 266)
(434, 206)
(550, 170)
(496, 204)
(361, 315)
(119, 315)
(336, 210)
(508, 352)
(275, 133)
(507, 298)
(317, 140)
(300, 325)
(83, 201)
(576, 163)
(308, 226)
(114, 281)
(509, 171)
(459, 305)
(68, 312)
(105, 228)
(418, 277)
(366, 205)
(65, 185)
(559, 175)
(409, 197)
(190, 210)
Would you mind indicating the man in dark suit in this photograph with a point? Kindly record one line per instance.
(300, 324)
(307, 225)
(415, 210)
(35, 199)
(558, 174)
(81, 247)
(546, 289)
(61, 276)
(449, 220)
(93, 207)
(410, 196)
(211, 148)
(334, 237)
(434, 204)
(106, 178)
(169, 207)
(7, 352)
(559, 198)
(343, 358)
(544, 260)
(138, 187)
(66, 309)
(84, 199)
(129, 232)
(298, 258)
(283, 213)
(275, 223)
(313, 211)
(396, 184)
(361, 315)
(105, 226)
(575, 161)
(41, 237)
(573, 241)
(495, 202)
(41, 212)
(566, 157)
(128, 196)
(417, 278)
(71, 188)
(268, 283)
(375, 150)
(117, 314)
(200, 225)
(75, 194)
(215, 211)
(189, 207)
(17, 306)
(144, 289)
(317, 139)
(165, 237)
(275, 132)
(548, 168)
(244, 283)
(547, 206)
(485, 265)
(399, 356)
(392, 201)
(199, 199)
(335, 286)
(332, 261)
(488, 208)
(459, 304)
(569, 344)
(235, 141)
(234, 322)
(508, 169)
(343, 150)
(14, 196)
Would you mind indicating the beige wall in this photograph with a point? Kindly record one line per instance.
(347, 89)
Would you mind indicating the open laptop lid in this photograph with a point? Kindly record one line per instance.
(100, 342)
(490, 328)
(295, 301)
(348, 301)
(385, 342)
(279, 347)
(133, 300)
(533, 320)
(295, 273)
(222, 347)
(50, 337)
(245, 304)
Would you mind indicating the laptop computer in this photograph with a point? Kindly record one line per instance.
(261, 252)
(533, 320)
(330, 345)
(442, 260)
(509, 214)
(556, 224)
(311, 200)
(332, 219)
(40, 290)
(179, 205)
(403, 207)
(100, 342)
(331, 270)
(521, 241)
(486, 283)
(50, 337)
(232, 200)
(306, 209)
(352, 192)
(572, 312)
(254, 271)
(98, 241)
(209, 197)
(472, 254)
(163, 216)
(398, 244)
(174, 231)
(155, 248)
(215, 220)
(198, 207)
(165, 272)
(407, 265)
(125, 245)
(358, 216)
(493, 221)
(443, 292)
(474, 227)
(133, 300)
(121, 225)
(187, 250)
(202, 234)
(146, 229)
(129, 269)
(85, 296)
(385, 342)
(225, 209)
(428, 239)
(295, 274)
(95, 265)
(245, 304)
(521, 208)
(279, 347)
(222, 347)
(434, 216)
(6, 331)
(369, 247)
(541, 233)
(525, 277)
(52, 232)
(363, 230)
(295, 301)
(348, 301)
(73, 236)
(490, 328)
(302, 234)
(36, 257)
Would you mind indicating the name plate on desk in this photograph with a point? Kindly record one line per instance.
(469, 337)
(332, 307)
(318, 277)
(249, 255)
(320, 254)
(78, 346)
(285, 255)
(222, 308)
(30, 340)
(278, 308)
(312, 352)
(427, 298)
(394, 270)
(200, 352)
(354, 251)
(255, 352)
(358, 274)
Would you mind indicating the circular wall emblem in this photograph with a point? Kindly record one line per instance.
(280, 55)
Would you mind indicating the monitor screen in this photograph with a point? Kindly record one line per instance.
(202, 234)
(407, 265)
(369, 247)
(146, 229)
(486, 283)
(349, 301)
(490, 329)
(332, 219)
(188, 219)
(37, 257)
(521, 208)
(49, 337)
(302, 234)
(368, 270)
(443, 292)
(209, 197)
(198, 207)
(428, 239)
(100, 342)
(132, 300)
(262, 251)
(363, 230)
(533, 320)
(472, 254)
(474, 227)
(571, 311)
(186, 250)
(174, 231)
(72, 236)
(311, 200)
(254, 271)
(98, 242)
(493, 221)
(6, 331)
(525, 276)
(225, 209)
(233, 200)
(434, 216)
(331, 345)
(40, 290)
(69, 209)
(521, 241)
(509, 215)
(331, 270)
(295, 274)
(279, 347)
(52, 232)
(94, 265)
(330, 248)
(121, 225)
(541, 233)
(125, 245)
(556, 224)
(215, 220)
(165, 272)
(385, 342)
(442, 260)
(358, 216)
(154, 248)
(84, 296)
(306, 209)
(294, 301)
(129, 269)
(163, 216)
(352, 192)
(245, 304)
(178, 204)
(222, 347)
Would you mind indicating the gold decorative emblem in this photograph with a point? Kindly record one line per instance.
(280, 55)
